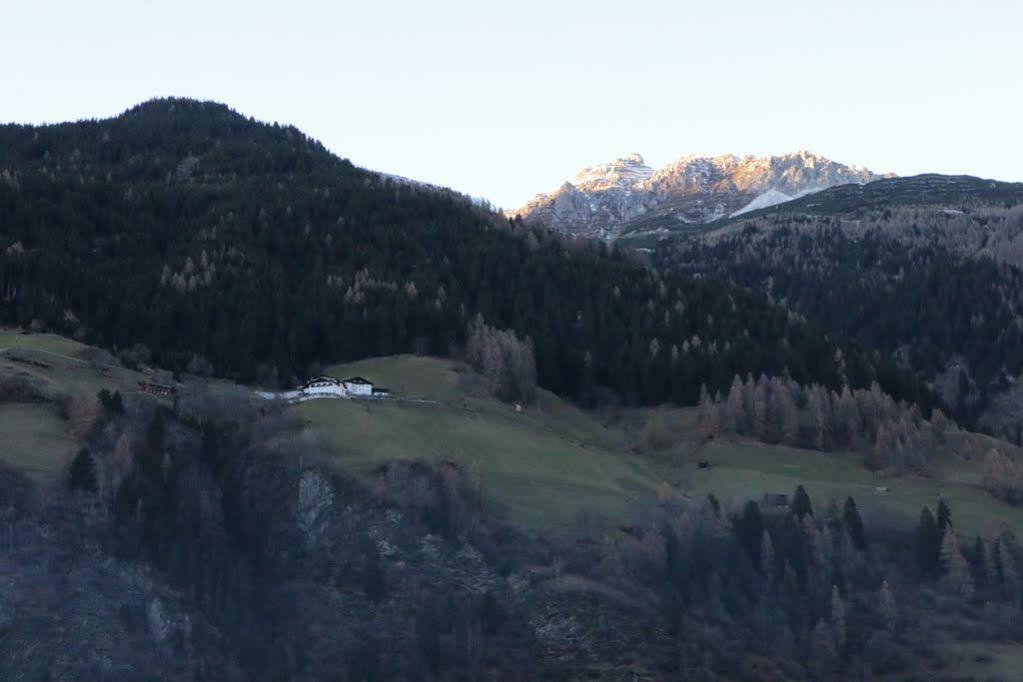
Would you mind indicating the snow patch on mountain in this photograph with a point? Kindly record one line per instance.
(771, 197)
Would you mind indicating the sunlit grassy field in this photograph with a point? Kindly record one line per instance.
(549, 463)
(544, 465)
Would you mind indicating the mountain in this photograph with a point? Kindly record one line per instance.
(607, 200)
(202, 239)
(221, 536)
(926, 269)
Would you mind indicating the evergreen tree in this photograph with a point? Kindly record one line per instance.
(111, 402)
(801, 503)
(117, 403)
(749, 526)
(928, 543)
(82, 473)
(944, 517)
(854, 524)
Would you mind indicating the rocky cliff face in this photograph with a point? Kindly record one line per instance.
(606, 200)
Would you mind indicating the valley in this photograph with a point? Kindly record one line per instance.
(737, 418)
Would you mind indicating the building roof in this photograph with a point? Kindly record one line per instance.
(357, 380)
(322, 378)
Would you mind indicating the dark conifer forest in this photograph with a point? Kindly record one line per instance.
(952, 319)
(218, 242)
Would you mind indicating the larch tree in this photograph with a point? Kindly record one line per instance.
(957, 570)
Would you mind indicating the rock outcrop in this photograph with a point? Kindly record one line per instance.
(607, 200)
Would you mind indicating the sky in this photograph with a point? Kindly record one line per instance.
(501, 100)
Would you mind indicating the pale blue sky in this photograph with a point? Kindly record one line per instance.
(502, 100)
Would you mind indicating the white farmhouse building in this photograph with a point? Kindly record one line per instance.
(324, 386)
(329, 387)
(358, 386)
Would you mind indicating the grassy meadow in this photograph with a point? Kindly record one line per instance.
(35, 440)
(549, 463)
(545, 465)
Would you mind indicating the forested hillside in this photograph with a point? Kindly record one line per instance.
(934, 286)
(229, 246)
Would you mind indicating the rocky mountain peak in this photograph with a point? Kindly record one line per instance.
(603, 200)
(622, 173)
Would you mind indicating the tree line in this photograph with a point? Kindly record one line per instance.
(891, 435)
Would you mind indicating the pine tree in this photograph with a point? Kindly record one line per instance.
(82, 474)
(928, 542)
(117, 403)
(854, 524)
(944, 517)
(801, 503)
(750, 529)
(111, 402)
